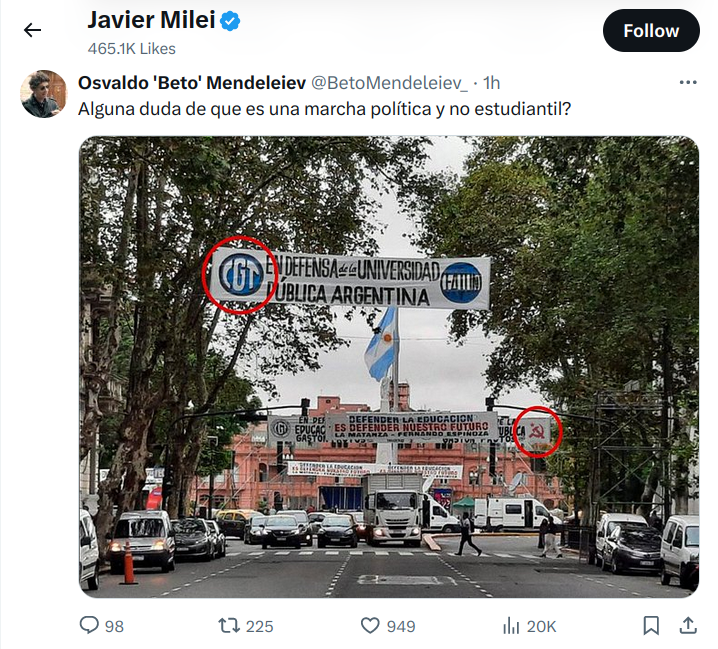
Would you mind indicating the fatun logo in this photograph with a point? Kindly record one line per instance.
(461, 282)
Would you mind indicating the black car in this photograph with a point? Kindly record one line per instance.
(304, 526)
(193, 538)
(219, 540)
(337, 529)
(282, 530)
(633, 548)
(253, 529)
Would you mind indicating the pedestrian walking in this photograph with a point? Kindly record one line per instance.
(542, 533)
(551, 544)
(466, 529)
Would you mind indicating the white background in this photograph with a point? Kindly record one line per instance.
(540, 51)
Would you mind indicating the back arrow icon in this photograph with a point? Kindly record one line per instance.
(27, 30)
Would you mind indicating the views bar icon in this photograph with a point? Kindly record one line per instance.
(511, 629)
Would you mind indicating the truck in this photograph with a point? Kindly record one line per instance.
(513, 514)
(396, 508)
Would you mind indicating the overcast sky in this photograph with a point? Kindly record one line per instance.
(442, 375)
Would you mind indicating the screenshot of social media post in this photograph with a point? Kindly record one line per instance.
(282, 340)
(364, 323)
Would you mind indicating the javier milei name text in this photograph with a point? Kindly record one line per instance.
(168, 20)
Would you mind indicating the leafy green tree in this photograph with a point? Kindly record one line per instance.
(594, 246)
(151, 208)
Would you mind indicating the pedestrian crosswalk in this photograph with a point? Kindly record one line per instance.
(382, 553)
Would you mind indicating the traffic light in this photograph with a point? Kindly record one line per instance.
(490, 402)
(305, 407)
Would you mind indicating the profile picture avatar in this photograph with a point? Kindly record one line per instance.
(43, 93)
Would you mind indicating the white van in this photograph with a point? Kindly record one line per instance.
(679, 550)
(605, 527)
(494, 514)
(89, 552)
(151, 538)
(439, 519)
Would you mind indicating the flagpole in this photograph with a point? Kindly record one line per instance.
(395, 364)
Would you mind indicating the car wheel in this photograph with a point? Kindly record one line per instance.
(93, 583)
(604, 566)
(354, 542)
(597, 560)
(224, 549)
(447, 529)
(264, 546)
(615, 567)
(665, 577)
(167, 566)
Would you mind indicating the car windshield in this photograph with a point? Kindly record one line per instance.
(388, 500)
(359, 517)
(258, 520)
(139, 527)
(692, 536)
(642, 537)
(614, 524)
(300, 516)
(188, 526)
(281, 521)
(337, 521)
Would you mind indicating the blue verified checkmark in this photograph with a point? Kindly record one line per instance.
(229, 21)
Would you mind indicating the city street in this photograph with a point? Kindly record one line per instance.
(509, 567)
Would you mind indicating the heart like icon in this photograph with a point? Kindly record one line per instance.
(370, 624)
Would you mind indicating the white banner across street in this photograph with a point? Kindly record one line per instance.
(349, 470)
(533, 433)
(240, 275)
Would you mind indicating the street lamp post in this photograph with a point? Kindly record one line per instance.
(213, 442)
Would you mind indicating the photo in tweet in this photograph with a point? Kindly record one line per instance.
(389, 367)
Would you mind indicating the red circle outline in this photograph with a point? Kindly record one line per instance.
(240, 237)
(540, 409)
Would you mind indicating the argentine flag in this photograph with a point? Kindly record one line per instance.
(379, 356)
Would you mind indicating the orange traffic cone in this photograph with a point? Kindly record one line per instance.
(129, 568)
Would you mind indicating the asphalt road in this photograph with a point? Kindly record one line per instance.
(508, 567)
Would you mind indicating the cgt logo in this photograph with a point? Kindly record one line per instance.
(280, 428)
(241, 274)
(461, 282)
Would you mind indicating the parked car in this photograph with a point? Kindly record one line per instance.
(633, 547)
(282, 530)
(151, 539)
(193, 538)
(315, 521)
(303, 520)
(680, 548)
(232, 521)
(604, 528)
(253, 529)
(219, 540)
(337, 529)
(89, 552)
